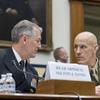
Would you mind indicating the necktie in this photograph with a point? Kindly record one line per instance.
(94, 74)
(22, 67)
(22, 64)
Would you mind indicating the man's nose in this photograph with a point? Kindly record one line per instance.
(78, 50)
(39, 46)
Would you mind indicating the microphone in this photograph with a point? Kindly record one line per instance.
(39, 78)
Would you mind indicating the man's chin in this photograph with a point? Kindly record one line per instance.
(81, 62)
(33, 56)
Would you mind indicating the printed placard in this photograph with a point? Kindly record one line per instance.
(68, 71)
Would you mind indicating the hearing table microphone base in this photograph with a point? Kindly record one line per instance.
(66, 87)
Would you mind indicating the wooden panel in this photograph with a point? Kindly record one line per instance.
(66, 87)
(77, 22)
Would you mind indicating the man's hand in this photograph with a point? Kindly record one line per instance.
(97, 90)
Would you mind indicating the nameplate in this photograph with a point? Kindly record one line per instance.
(68, 71)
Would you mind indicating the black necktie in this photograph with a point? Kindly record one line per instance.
(22, 64)
(22, 67)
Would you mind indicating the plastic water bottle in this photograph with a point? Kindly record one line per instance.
(10, 83)
(2, 83)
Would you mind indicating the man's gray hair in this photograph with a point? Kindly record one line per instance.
(23, 27)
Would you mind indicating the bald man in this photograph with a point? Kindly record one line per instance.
(60, 55)
(85, 48)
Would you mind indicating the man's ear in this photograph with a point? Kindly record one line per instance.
(97, 47)
(24, 39)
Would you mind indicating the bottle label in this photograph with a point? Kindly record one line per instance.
(1, 87)
(10, 87)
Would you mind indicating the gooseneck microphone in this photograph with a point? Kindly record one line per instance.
(26, 72)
